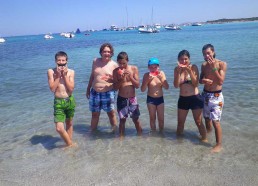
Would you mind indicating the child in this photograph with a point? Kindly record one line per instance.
(61, 83)
(126, 80)
(155, 80)
(213, 72)
(186, 77)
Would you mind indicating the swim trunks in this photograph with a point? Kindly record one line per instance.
(64, 108)
(155, 101)
(102, 100)
(213, 104)
(190, 102)
(127, 107)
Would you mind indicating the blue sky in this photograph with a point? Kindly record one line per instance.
(24, 17)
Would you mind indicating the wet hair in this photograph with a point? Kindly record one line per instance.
(183, 53)
(205, 47)
(106, 45)
(122, 55)
(61, 53)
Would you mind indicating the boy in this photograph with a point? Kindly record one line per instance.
(126, 80)
(61, 83)
(212, 75)
(155, 80)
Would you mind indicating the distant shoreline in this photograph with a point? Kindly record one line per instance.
(224, 20)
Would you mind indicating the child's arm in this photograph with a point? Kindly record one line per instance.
(116, 81)
(164, 80)
(145, 82)
(53, 83)
(134, 77)
(194, 74)
(69, 80)
(177, 71)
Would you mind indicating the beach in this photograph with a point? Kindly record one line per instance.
(32, 153)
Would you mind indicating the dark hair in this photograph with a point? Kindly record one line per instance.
(205, 47)
(106, 45)
(122, 55)
(183, 53)
(61, 53)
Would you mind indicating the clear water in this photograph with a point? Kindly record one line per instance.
(30, 149)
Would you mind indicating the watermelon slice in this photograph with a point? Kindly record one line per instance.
(120, 71)
(181, 65)
(155, 73)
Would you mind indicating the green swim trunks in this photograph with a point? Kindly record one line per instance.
(64, 108)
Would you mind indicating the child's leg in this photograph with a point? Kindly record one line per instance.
(122, 127)
(181, 117)
(160, 113)
(137, 125)
(218, 134)
(69, 127)
(152, 114)
(197, 114)
(62, 132)
(208, 124)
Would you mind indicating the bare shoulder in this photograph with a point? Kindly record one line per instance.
(134, 68)
(71, 71)
(222, 65)
(194, 67)
(51, 71)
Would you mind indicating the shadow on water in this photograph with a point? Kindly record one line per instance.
(47, 141)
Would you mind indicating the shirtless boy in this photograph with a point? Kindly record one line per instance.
(61, 83)
(155, 80)
(212, 75)
(126, 80)
(100, 87)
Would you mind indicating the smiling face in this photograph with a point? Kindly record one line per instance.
(106, 53)
(183, 60)
(61, 62)
(208, 53)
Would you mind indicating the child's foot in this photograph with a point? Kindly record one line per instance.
(113, 129)
(72, 145)
(216, 148)
(204, 140)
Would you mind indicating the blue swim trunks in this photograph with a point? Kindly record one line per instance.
(213, 104)
(102, 100)
(155, 100)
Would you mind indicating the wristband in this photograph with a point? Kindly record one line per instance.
(214, 69)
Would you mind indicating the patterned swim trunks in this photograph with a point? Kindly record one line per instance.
(102, 100)
(213, 104)
(127, 107)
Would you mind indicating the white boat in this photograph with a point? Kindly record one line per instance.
(196, 24)
(69, 35)
(148, 30)
(157, 25)
(2, 40)
(114, 28)
(48, 36)
(173, 27)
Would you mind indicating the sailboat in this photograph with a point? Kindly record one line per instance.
(149, 28)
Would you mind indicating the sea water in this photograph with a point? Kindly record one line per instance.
(31, 150)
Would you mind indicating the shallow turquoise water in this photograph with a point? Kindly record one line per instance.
(27, 131)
